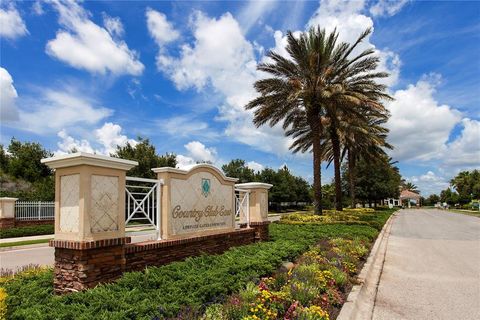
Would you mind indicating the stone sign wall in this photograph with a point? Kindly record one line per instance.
(197, 215)
(197, 201)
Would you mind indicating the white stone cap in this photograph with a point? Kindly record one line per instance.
(7, 199)
(83, 158)
(254, 185)
(187, 169)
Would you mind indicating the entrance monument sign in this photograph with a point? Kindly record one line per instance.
(195, 210)
(197, 201)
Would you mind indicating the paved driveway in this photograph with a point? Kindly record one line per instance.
(432, 267)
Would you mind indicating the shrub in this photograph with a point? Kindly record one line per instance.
(3, 305)
(27, 231)
(358, 216)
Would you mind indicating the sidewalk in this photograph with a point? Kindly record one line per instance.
(130, 230)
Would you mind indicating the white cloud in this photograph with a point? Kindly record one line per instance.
(186, 126)
(161, 30)
(199, 152)
(183, 162)
(387, 7)
(52, 110)
(347, 18)
(84, 45)
(113, 25)
(429, 183)
(11, 23)
(221, 58)
(107, 138)
(8, 97)
(255, 166)
(37, 8)
(464, 151)
(419, 125)
(218, 44)
(68, 144)
(253, 12)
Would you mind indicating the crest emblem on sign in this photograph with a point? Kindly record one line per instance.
(205, 187)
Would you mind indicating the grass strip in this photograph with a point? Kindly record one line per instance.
(23, 243)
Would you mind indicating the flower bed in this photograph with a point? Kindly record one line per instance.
(360, 216)
(314, 289)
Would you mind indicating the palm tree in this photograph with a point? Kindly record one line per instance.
(349, 92)
(318, 83)
(356, 94)
(410, 186)
(295, 93)
(365, 139)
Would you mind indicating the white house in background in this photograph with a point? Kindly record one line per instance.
(407, 199)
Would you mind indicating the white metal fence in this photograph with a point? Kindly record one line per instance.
(143, 202)
(242, 206)
(34, 210)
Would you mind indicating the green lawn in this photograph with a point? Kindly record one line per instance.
(163, 291)
(23, 243)
(467, 212)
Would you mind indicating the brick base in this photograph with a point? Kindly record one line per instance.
(261, 230)
(157, 253)
(7, 223)
(83, 265)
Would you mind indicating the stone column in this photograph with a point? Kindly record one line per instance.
(7, 212)
(258, 207)
(89, 219)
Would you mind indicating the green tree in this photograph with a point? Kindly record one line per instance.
(3, 159)
(24, 161)
(376, 180)
(449, 196)
(237, 168)
(432, 200)
(147, 158)
(467, 185)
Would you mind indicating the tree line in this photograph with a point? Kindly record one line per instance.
(464, 188)
(24, 176)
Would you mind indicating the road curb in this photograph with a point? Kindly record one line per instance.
(360, 302)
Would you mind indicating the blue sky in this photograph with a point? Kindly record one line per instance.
(92, 75)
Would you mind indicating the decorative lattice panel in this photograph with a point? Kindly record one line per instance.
(264, 204)
(104, 204)
(69, 198)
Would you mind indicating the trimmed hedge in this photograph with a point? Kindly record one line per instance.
(361, 216)
(163, 291)
(27, 231)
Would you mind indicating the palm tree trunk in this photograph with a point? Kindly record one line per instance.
(352, 176)
(336, 166)
(317, 164)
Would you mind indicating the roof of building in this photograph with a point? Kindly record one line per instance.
(407, 194)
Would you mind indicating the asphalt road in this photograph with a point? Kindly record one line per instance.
(432, 267)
